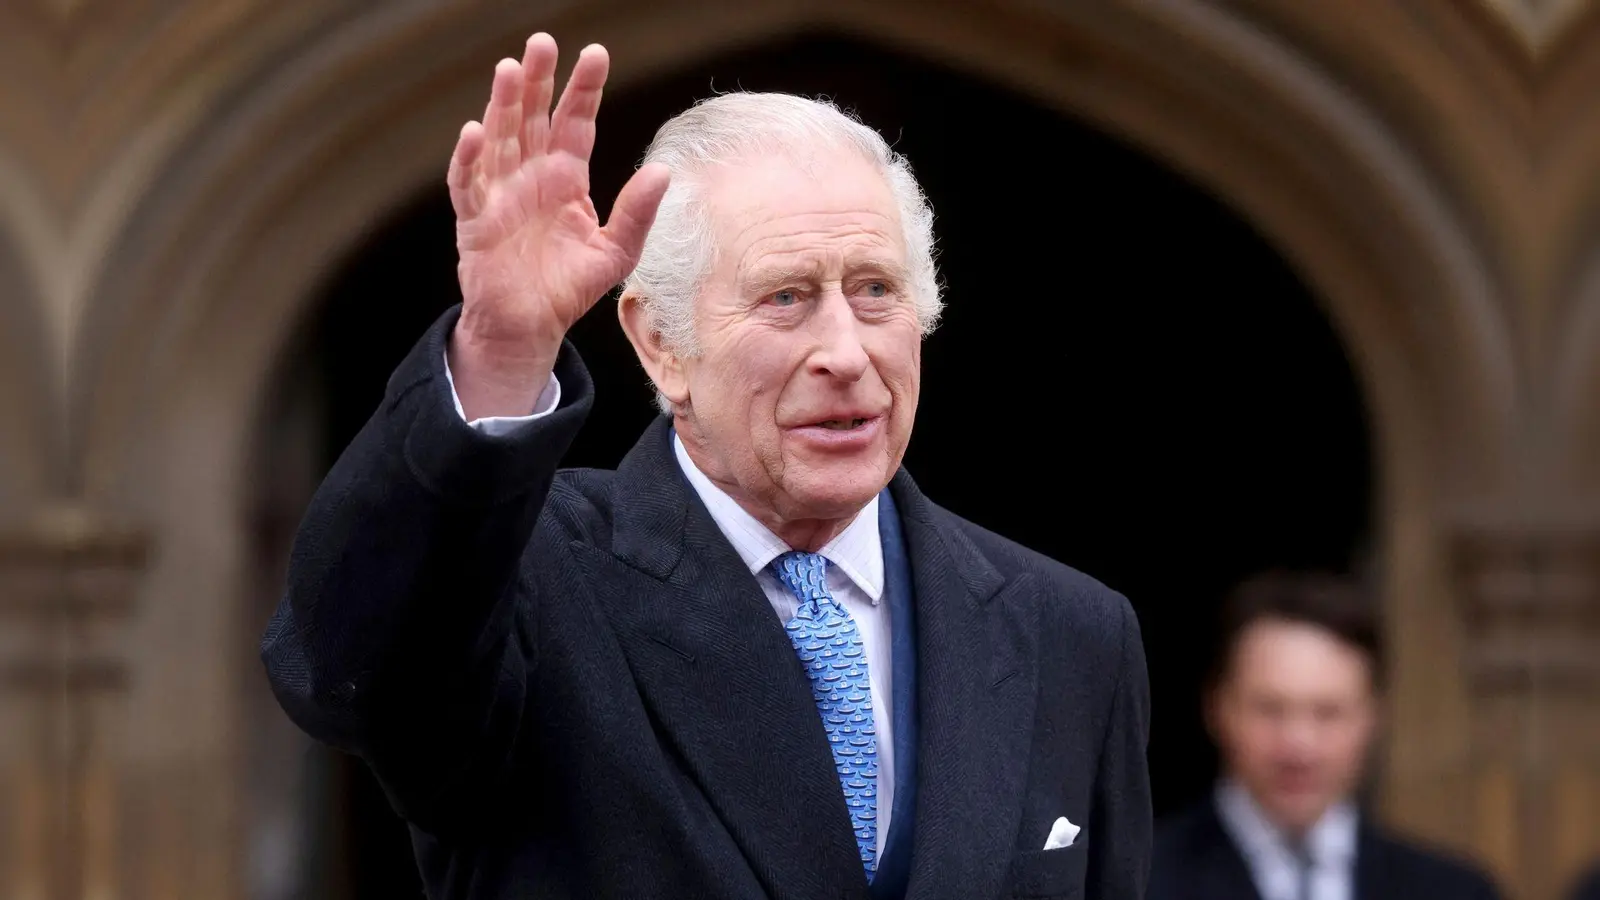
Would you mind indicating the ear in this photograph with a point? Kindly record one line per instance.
(663, 366)
(1378, 710)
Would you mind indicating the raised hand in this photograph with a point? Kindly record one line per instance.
(533, 255)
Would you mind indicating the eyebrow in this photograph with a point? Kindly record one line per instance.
(765, 281)
(887, 267)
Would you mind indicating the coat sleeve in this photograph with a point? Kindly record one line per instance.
(1119, 861)
(405, 634)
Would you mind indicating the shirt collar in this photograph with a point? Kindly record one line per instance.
(857, 551)
(1331, 841)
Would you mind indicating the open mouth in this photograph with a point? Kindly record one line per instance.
(841, 424)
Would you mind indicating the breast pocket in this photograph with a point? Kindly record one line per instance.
(1050, 873)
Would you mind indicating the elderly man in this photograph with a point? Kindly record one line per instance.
(754, 661)
(1293, 705)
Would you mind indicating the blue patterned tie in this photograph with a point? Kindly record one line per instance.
(830, 646)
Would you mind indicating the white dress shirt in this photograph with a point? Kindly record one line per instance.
(1330, 844)
(855, 576)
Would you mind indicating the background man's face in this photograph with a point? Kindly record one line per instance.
(1293, 717)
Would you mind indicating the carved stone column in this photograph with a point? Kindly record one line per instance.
(65, 589)
(1531, 601)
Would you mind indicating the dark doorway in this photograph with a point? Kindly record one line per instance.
(1182, 409)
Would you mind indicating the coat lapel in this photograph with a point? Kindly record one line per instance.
(1223, 873)
(717, 671)
(1370, 883)
(977, 685)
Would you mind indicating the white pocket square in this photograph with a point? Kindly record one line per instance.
(1062, 834)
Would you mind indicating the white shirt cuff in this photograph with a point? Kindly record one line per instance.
(499, 426)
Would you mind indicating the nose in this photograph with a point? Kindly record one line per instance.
(1301, 737)
(839, 352)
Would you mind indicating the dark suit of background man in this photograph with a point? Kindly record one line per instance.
(1588, 887)
(754, 661)
(1293, 706)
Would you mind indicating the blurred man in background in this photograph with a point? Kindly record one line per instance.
(1293, 706)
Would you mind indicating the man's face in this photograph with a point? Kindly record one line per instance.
(803, 395)
(1294, 718)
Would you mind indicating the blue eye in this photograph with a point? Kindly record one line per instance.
(877, 289)
(785, 298)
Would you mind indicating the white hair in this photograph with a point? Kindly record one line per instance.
(680, 251)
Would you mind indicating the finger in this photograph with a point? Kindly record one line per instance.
(502, 121)
(462, 179)
(572, 125)
(539, 85)
(635, 210)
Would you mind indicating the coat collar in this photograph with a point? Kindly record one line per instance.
(717, 669)
(977, 684)
(856, 552)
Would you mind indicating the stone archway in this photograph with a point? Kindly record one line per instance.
(1576, 371)
(26, 390)
(248, 216)
(25, 760)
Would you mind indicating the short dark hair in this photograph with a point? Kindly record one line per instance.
(1335, 603)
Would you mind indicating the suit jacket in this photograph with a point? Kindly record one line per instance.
(570, 685)
(1196, 859)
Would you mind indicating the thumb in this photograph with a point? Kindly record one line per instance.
(635, 210)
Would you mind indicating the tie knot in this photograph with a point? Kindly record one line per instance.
(804, 574)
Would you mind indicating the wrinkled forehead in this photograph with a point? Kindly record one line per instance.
(824, 201)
